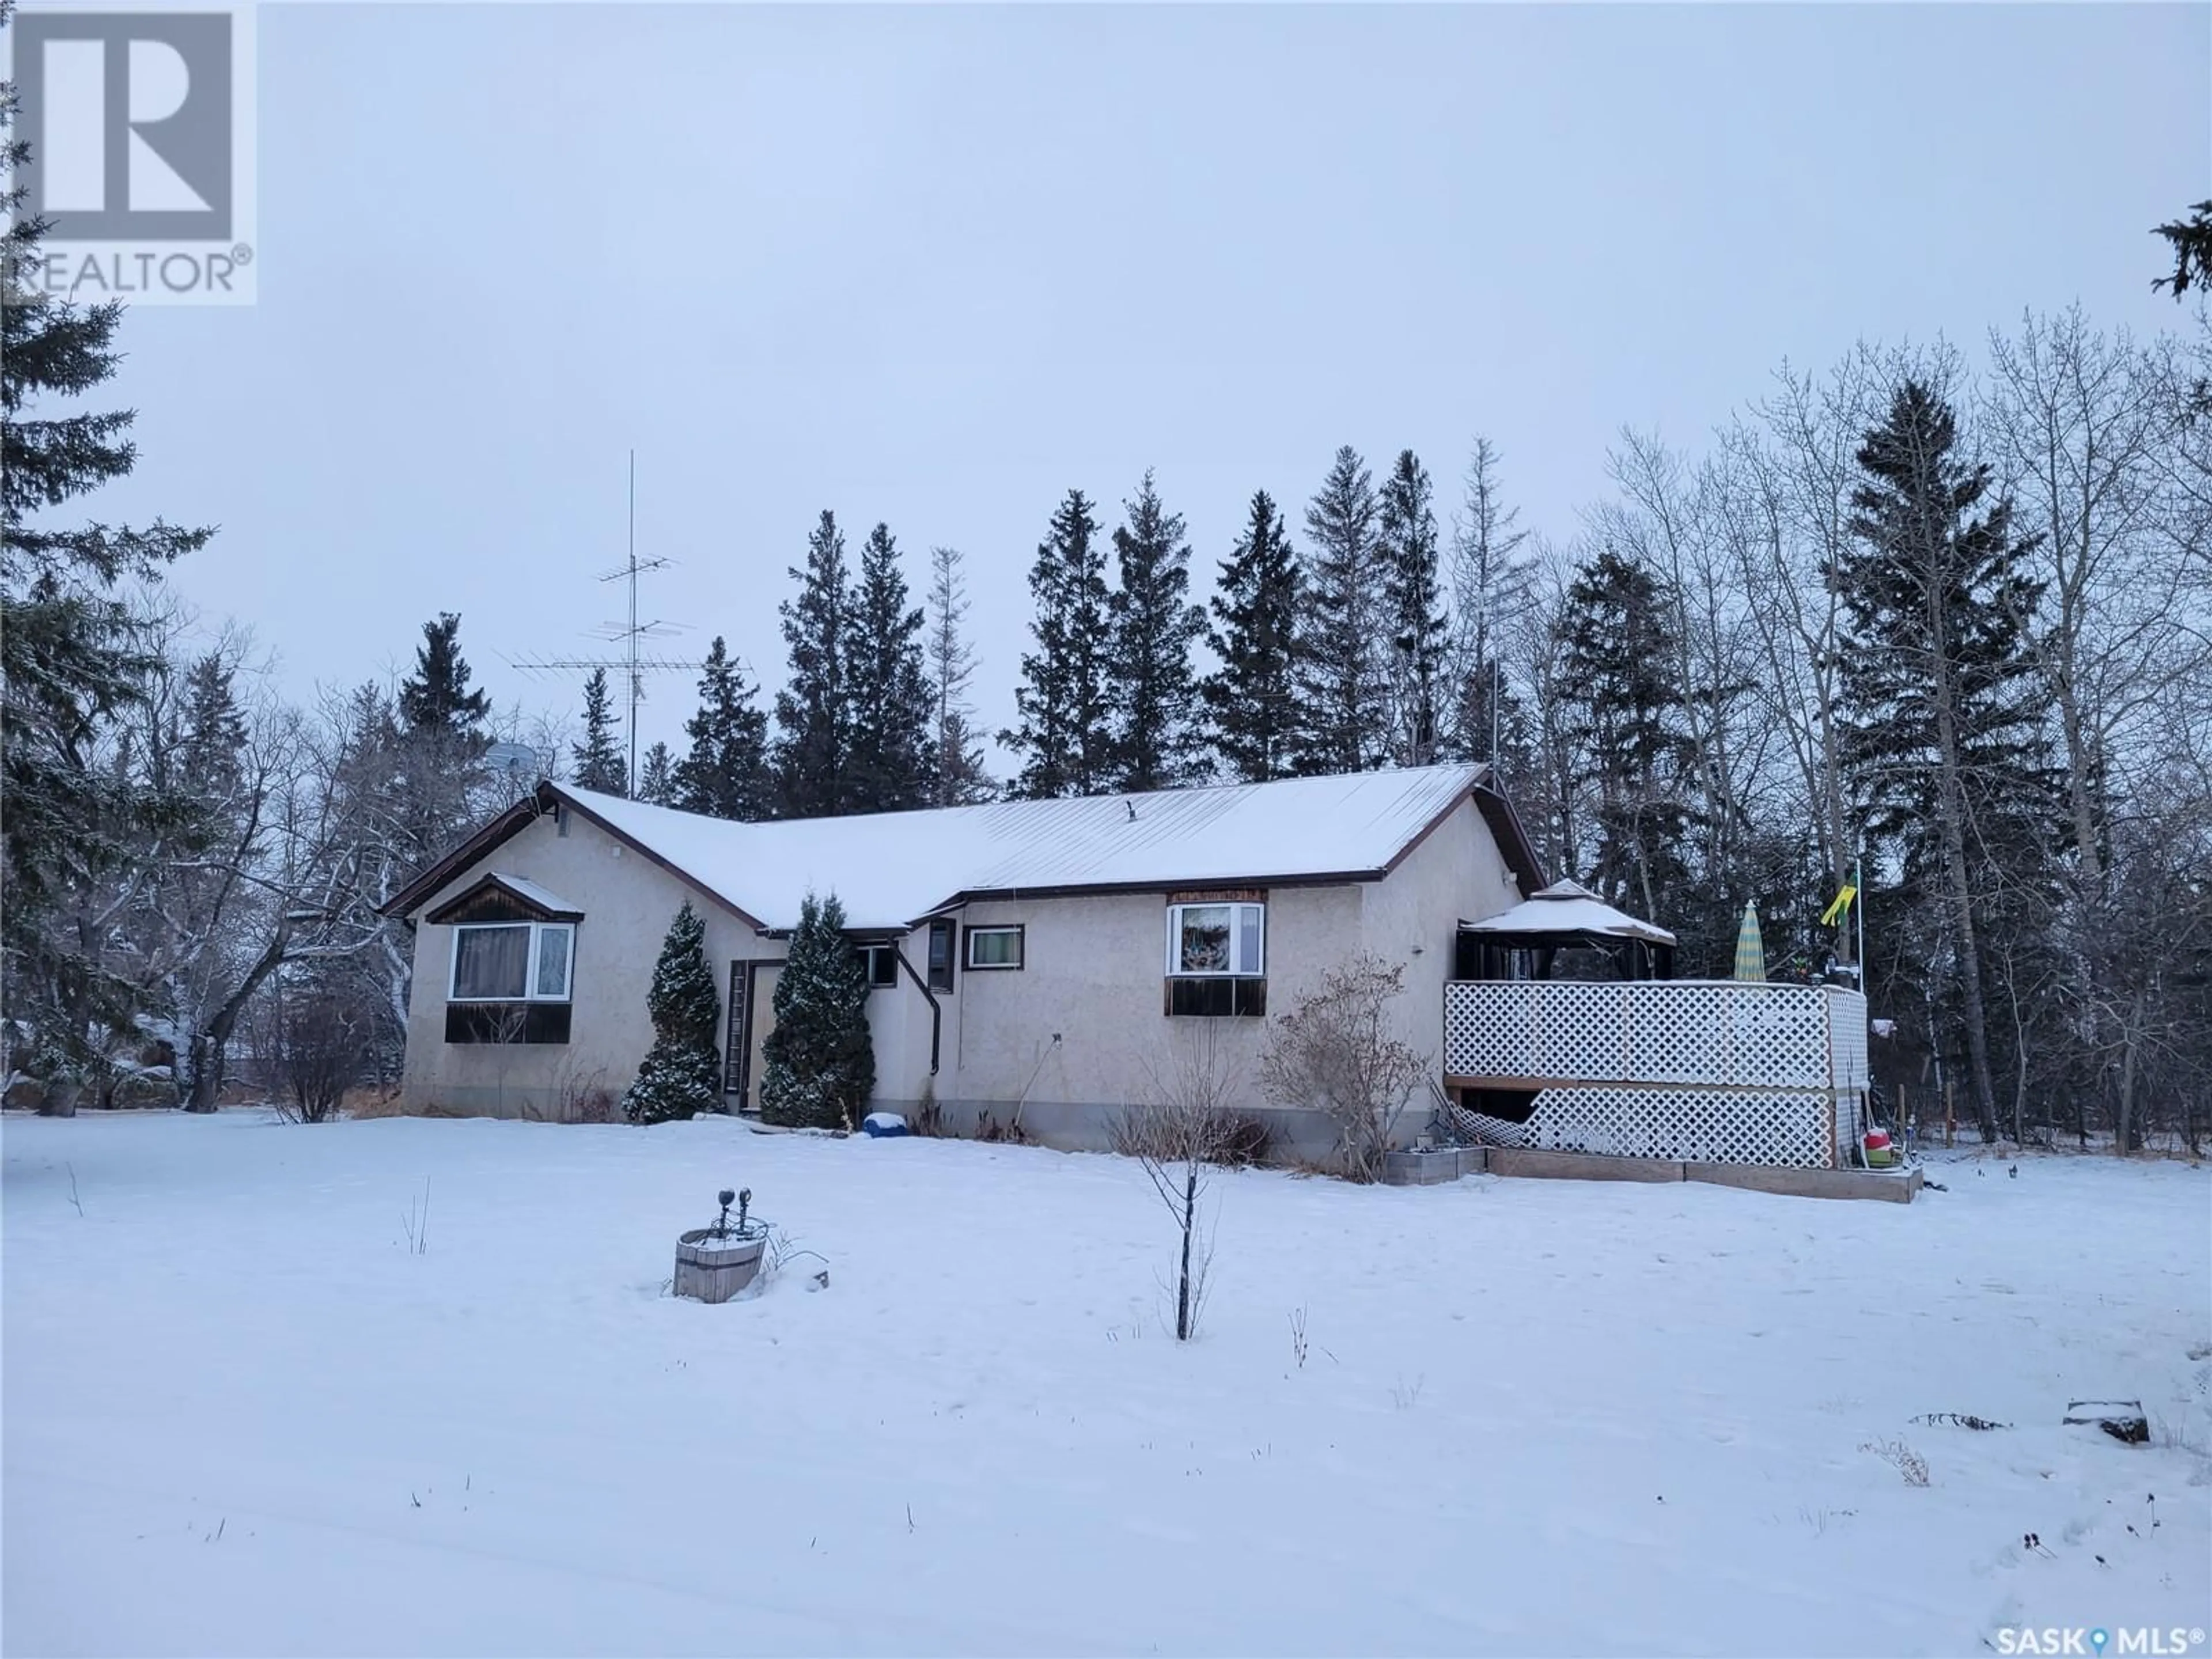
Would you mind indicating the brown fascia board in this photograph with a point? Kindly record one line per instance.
(1510, 835)
(485, 842)
(510, 823)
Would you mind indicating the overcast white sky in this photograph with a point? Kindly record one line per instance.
(935, 265)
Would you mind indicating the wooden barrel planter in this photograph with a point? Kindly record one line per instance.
(712, 1267)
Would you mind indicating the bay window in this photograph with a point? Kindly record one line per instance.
(1217, 940)
(509, 981)
(511, 962)
(1217, 958)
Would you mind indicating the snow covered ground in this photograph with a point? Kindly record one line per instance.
(241, 1417)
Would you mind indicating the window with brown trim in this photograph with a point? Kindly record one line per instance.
(941, 952)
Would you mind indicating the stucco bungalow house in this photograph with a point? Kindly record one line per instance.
(1034, 957)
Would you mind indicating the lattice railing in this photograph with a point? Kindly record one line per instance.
(1715, 1032)
(1695, 1126)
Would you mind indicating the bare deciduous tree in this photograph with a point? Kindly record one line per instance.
(1178, 1136)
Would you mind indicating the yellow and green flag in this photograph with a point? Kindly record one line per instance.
(1829, 916)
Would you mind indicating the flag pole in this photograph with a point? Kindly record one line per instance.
(1858, 911)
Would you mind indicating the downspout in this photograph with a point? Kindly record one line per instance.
(936, 1010)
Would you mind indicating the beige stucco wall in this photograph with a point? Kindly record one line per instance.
(1411, 918)
(627, 902)
(1093, 973)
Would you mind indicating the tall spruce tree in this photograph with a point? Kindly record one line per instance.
(1412, 604)
(1065, 736)
(656, 776)
(1342, 632)
(1151, 685)
(1621, 717)
(725, 774)
(813, 713)
(889, 766)
(682, 1073)
(435, 700)
(70, 656)
(601, 763)
(958, 777)
(1252, 700)
(818, 1064)
(1943, 725)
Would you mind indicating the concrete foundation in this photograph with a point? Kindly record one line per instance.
(1424, 1169)
(1808, 1184)
(1581, 1166)
(1430, 1168)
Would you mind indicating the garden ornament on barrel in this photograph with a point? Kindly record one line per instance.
(713, 1264)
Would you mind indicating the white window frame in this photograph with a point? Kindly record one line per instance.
(968, 947)
(867, 953)
(530, 991)
(1236, 934)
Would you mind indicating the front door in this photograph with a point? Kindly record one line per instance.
(736, 1066)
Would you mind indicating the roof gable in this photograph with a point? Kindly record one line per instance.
(498, 897)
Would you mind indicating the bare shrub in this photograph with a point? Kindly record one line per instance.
(1177, 1135)
(929, 1115)
(1336, 1051)
(1901, 1457)
(580, 1094)
(322, 1049)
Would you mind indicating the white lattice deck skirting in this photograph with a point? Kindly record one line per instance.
(1708, 1071)
(1711, 1032)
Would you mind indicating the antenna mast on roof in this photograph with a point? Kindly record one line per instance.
(632, 666)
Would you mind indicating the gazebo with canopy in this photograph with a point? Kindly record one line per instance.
(1527, 942)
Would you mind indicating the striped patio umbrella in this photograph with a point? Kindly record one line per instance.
(1750, 948)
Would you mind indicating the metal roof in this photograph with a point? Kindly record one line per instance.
(890, 869)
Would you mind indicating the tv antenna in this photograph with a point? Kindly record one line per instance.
(633, 665)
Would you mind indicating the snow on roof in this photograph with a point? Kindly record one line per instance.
(890, 869)
(1567, 907)
(544, 898)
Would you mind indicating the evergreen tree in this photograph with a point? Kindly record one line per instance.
(440, 771)
(1341, 679)
(813, 714)
(726, 774)
(1944, 727)
(818, 1066)
(601, 763)
(70, 656)
(1065, 736)
(1621, 718)
(1413, 603)
(1152, 688)
(2191, 239)
(1251, 700)
(890, 767)
(435, 702)
(656, 776)
(958, 778)
(682, 1073)
(211, 731)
